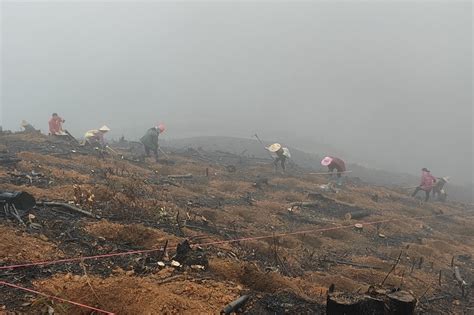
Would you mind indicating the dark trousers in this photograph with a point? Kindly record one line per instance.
(149, 150)
(426, 192)
(282, 161)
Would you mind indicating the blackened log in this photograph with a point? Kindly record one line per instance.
(235, 305)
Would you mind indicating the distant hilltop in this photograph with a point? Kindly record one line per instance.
(311, 161)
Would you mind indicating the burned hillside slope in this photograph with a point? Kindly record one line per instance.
(194, 232)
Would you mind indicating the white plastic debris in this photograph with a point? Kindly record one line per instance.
(175, 264)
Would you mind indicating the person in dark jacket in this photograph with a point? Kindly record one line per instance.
(282, 154)
(150, 140)
(438, 188)
(28, 127)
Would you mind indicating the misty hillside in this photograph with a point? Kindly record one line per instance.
(253, 148)
(189, 235)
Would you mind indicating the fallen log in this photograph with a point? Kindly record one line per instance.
(162, 182)
(319, 196)
(330, 173)
(235, 305)
(401, 303)
(69, 207)
(438, 297)
(357, 214)
(305, 204)
(185, 176)
(343, 262)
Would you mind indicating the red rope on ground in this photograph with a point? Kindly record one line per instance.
(66, 260)
(55, 298)
(199, 244)
(315, 230)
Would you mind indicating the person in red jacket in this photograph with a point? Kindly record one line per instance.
(56, 125)
(427, 183)
(334, 163)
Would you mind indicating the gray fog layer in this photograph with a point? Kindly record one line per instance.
(386, 84)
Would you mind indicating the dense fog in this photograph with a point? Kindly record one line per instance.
(384, 84)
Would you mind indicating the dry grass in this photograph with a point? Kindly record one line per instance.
(442, 239)
(230, 186)
(288, 196)
(250, 276)
(311, 240)
(246, 214)
(270, 206)
(196, 188)
(134, 234)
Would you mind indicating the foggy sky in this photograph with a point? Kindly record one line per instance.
(387, 84)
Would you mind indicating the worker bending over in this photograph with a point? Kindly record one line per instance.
(95, 138)
(27, 127)
(438, 188)
(282, 154)
(427, 183)
(334, 163)
(150, 140)
(56, 125)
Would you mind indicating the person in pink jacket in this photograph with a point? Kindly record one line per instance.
(427, 183)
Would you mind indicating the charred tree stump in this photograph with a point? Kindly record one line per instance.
(343, 303)
(401, 303)
(372, 306)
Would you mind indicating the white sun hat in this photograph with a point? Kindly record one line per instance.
(104, 128)
(326, 161)
(274, 147)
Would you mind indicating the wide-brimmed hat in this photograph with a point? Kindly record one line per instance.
(104, 128)
(274, 147)
(326, 161)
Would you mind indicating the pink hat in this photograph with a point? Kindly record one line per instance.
(161, 127)
(326, 161)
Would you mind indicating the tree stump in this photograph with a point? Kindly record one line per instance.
(401, 303)
(343, 303)
(372, 306)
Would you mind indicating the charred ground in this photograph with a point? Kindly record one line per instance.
(217, 197)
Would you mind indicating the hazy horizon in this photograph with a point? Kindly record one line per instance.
(385, 84)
